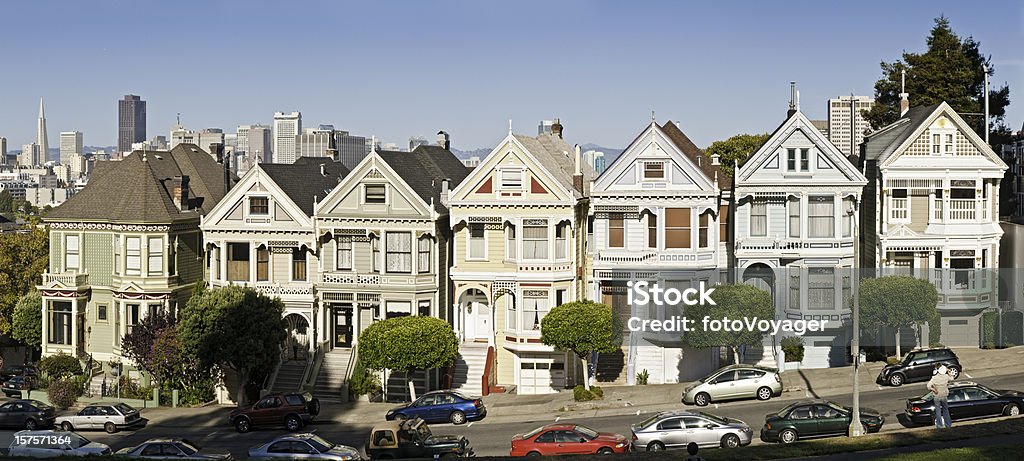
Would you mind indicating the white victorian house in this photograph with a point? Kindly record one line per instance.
(659, 215)
(795, 201)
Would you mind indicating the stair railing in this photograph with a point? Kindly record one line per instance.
(488, 378)
(312, 369)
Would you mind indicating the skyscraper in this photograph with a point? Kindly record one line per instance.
(70, 143)
(286, 128)
(3, 150)
(131, 122)
(242, 139)
(259, 147)
(351, 149)
(41, 140)
(839, 122)
(30, 155)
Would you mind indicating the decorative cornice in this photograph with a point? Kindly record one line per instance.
(114, 227)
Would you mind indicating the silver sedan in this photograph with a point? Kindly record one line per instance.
(677, 429)
(305, 447)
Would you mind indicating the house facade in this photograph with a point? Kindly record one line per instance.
(519, 220)
(794, 234)
(659, 214)
(931, 209)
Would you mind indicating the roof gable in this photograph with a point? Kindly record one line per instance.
(347, 200)
(656, 146)
(539, 165)
(233, 211)
(306, 181)
(942, 121)
(826, 164)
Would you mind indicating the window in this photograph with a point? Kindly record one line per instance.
(616, 230)
(847, 293)
(703, 222)
(423, 252)
(821, 288)
(677, 228)
(511, 314)
(791, 159)
(794, 288)
(344, 253)
(477, 243)
(172, 256)
(899, 205)
(259, 205)
(652, 231)
(654, 170)
(132, 312)
(510, 179)
(155, 264)
(374, 253)
(71, 251)
(949, 144)
(821, 221)
(562, 241)
(117, 327)
(510, 235)
(805, 155)
(117, 254)
(936, 144)
(298, 264)
(398, 252)
(793, 205)
(797, 159)
(534, 309)
(670, 424)
(423, 308)
(847, 212)
(723, 223)
(238, 262)
(535, 242)
(59, 323)
(133, 256)
(262, 264)
(758, 219)
(374, 193)
(101, 312)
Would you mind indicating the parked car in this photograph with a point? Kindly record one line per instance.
(567, 439)
(918, 365)
(821, 418)
(293, 410)
(173, 449)
(14, 387)
(735, 382)
(27, 414)
(411, 438)
(441, 406)
(967, 400)
(676, 429)
(110, 417)
(304, 446)
(50, 444)
(11, 371)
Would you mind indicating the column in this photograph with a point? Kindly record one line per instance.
(222, 260)
(74, 324)
(978, 191)
(45, 331)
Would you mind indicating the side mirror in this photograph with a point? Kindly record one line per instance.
(583, 440)
(709, 426)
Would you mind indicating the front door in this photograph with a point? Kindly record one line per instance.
(343, 326)
(483, 321)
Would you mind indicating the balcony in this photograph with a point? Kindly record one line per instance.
(290, 289)
(962, 209)
(375, 279)
(793, 244)
(70, 279)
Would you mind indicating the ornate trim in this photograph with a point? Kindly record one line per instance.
(141, 296)
(484, 219)
(64, 293)
(110, 227)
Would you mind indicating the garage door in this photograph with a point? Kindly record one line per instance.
(540, 376)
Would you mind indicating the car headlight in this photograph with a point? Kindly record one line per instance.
(620, 445)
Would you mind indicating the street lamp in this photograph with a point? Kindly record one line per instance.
(856, 429)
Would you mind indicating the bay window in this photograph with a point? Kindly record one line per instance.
(562, 241)
(616, 230)
(821, 288)
(793, 205)
(298, 264)
(133, 256)
(238, 262)
(155, 250)
(59, 323)
(677, 228)
(821, 216)
(262, 264)
(652, 231)
(398, 252)
(71, 252)
(477, 242)
(703, 223)
(535, 307)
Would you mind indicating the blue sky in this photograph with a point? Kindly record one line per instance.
(395, 69)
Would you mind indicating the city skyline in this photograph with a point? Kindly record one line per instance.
(471, 81)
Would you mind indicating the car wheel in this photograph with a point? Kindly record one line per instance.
(787, 436)
(764, 393)
(243, 425)
(896, 380)
(109, 427)
(292, 423)
(605, 451)
(457, 417)
(730, 441)
(533, 454)
(66, 426)
(702, 399)
(954, 372)
(655, 446)
(1011, 410)
(31, 424)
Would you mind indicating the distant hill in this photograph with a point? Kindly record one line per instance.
(610, 154)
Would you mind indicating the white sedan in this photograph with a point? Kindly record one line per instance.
(50, 444)
(110, 417)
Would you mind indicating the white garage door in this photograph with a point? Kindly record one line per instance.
(540, 376)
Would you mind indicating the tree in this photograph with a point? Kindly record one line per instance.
(6, 201)
(170, 366)
(583, 328)
(23, 258)
(28, 319)
(234, 328)
(735, 302)
(407, 344)
(736, 149)
(897, 301)
(951, 70)
(137, 345)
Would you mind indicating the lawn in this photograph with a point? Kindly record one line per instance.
(992, 453)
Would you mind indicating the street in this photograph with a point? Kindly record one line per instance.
(493, 438)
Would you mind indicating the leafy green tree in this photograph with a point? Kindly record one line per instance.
(735, 302)
(23, 258)
(6, 202)
(896, 301)
(582, 327)
(736, 149)
(407, 344)
(951, 70)
(137, 345)
(28, 319)
(233, 328)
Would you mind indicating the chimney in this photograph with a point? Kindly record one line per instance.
(179, 192)
(904, 96)
(217, 151)
(445, 189)
(792, 100)
(443, 140)
(577, 176)
(556, 128)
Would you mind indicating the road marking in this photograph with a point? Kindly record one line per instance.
(470, 424)
(968, 376)
(557, 418)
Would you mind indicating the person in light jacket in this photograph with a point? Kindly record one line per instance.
(939, 386)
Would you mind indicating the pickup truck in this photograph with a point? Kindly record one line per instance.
(411, 438)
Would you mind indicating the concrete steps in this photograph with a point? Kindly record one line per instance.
(333, 375)
(469, 368)
(289, 376)
(611, 368)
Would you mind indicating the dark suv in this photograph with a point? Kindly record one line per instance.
(292, 409)
(918, 365)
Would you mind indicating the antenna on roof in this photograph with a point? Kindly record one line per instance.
(510, 126)
(653, 120)
(178, 118)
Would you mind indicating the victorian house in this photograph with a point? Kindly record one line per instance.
(126, 245)
(385, 242)
(519, 221)
(931, 209)
(796, 198)
(659, 214)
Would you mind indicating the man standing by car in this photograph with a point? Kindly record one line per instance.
(939, 386)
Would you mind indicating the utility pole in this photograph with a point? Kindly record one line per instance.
(856, 429)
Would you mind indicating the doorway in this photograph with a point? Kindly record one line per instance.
(343, 326)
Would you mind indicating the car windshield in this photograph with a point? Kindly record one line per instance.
(533, 432)
(78, 441)
(320, 444)
(124, 409)
(587, 432)
(41, 405)
(188, 447)
(648, 421)
(783, 412)
(837, 406)
(717, 419)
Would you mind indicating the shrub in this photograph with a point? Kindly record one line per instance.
(989, 322)
(581, 394)
(197, 394)
(63, 393)
(60, 365)
(935, 330)
(793, 347)
(133, 390)
(363, 381)
(642, 377)
(597, 392)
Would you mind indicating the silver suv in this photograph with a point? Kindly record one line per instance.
(676, 429)
(735, 382)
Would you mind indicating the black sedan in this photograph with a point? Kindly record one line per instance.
(967, 400)
(16, 386)
(27, 414)
(17, 370)
(821, 418)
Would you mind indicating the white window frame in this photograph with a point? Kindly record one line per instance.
(338, 249)
(291, 265)
(563, 252)
(547, 246)
(832, 216)
(750, 220)
(511, 242)
(644, 170)
(898, 214)
(366, 193)
(72, 256)
(248, 208)
(390, 251)
(502, 172)
(130, 254)
(469, 242)
(155, 254)
(424, 256)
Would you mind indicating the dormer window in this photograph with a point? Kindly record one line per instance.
(797, 160)
(259, 206)
(510, 179)
(654, 170)
(374, 193)
(943, 141)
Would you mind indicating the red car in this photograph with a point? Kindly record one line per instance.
(567, 439)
